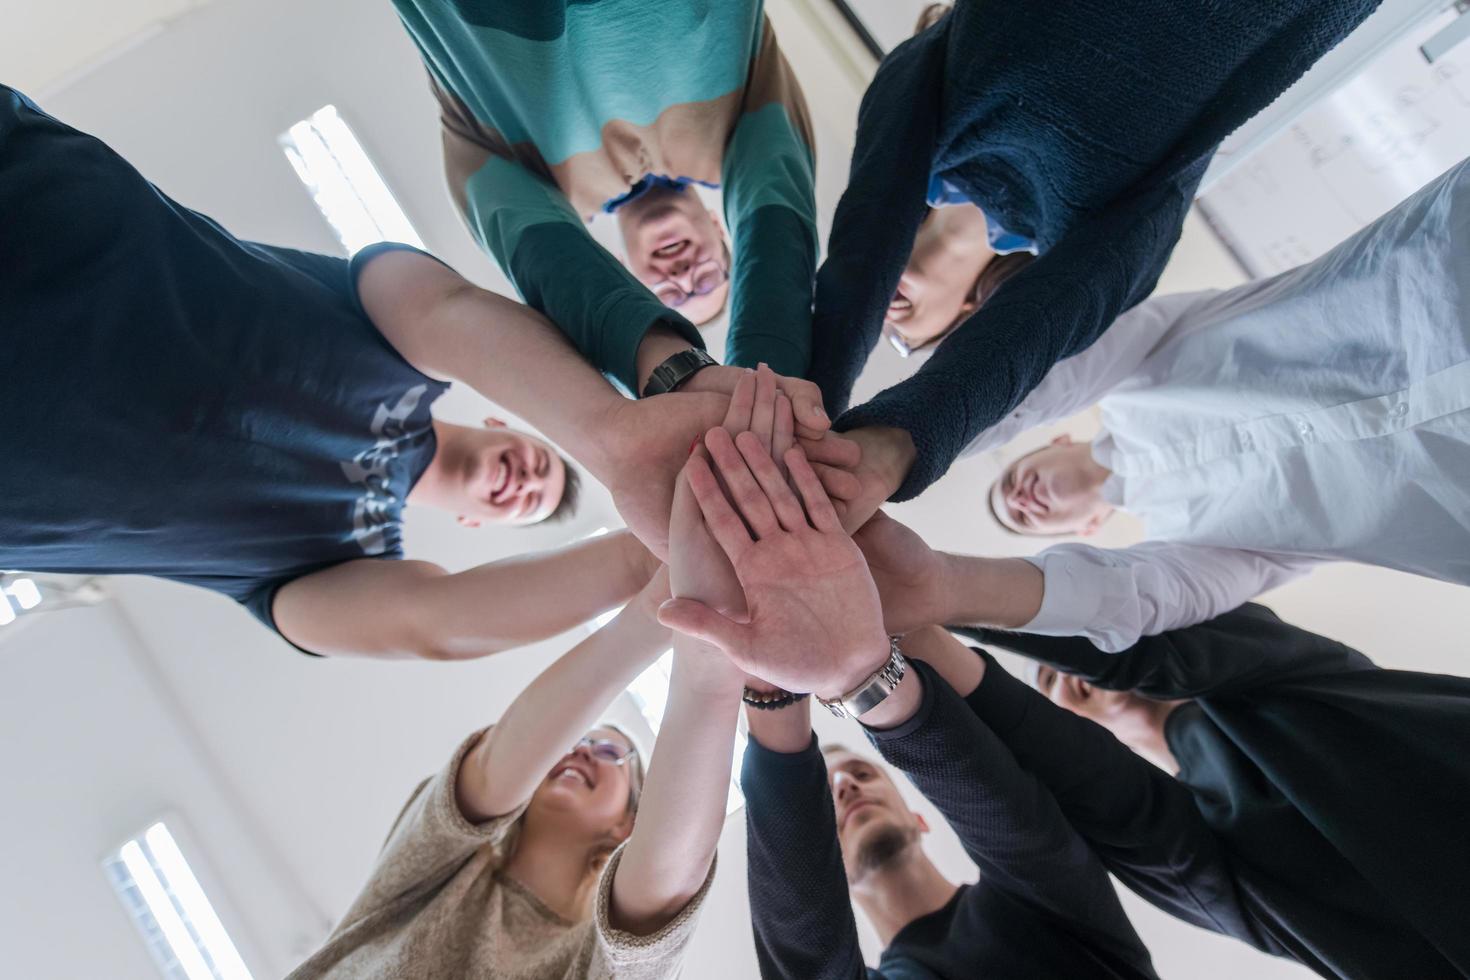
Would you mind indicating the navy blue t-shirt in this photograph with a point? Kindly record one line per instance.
(180, 403)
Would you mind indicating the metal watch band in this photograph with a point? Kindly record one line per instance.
(873, 691)
(675, 370)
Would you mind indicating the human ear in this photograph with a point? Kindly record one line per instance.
(923, 824)
(466, 521)
(492, 422)
(1062, 440)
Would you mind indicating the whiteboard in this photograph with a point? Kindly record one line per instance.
(1347, 159)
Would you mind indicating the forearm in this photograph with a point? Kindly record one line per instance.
(682, 810)
(505, 350)
(397, 609)
(799, 906)
(771, 292)
(563, 702)
(1115, 596)
(1010, 825)
(1001, 592)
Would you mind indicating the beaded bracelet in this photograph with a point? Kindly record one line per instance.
(770, 700)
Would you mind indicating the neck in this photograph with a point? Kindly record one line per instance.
(1095, 474)
(1142, 730)
(553, 872)
(906, 889)
(436, 486)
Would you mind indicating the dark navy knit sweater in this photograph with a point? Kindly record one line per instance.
(1083, 124)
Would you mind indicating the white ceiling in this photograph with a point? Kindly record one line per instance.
(47, 42)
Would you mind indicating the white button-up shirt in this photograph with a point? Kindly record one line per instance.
(1323, 414)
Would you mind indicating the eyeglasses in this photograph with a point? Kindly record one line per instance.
(607, 750)
(707, 276)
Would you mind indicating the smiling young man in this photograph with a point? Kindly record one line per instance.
(254, 419)
(555, 112)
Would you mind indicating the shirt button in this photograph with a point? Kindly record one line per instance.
(1304, 427)
(1400, 410)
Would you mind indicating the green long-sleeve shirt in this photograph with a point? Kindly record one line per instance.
(553, 110)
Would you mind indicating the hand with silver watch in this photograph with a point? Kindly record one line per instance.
(813, 621)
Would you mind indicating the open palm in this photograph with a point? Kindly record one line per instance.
(813, 621)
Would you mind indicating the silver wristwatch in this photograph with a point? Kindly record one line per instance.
(873, 691)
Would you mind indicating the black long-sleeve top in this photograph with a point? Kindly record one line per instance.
(1044, 906)
(1319, 811)
(1085, 125)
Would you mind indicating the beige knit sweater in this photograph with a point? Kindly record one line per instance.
(438, 907)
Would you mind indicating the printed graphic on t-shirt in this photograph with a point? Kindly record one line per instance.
(375, 516)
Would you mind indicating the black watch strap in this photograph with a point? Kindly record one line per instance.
(676, 369)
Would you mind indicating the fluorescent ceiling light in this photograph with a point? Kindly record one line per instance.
(25, 593)
(177, 921)
(344, 183)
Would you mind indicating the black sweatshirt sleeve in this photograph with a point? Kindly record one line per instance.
(879, 213)
(1011, 826)
(799, 906)
(1053, 308)
(1240, 650)
(1140, 820)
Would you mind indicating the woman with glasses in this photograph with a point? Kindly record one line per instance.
(521, 857)
(1078, 129)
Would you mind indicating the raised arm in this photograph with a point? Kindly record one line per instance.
(799, 904)
(768, 182)
(397, 609)
(1052, 309)
(878, 215)
(559, 706)
(1139, 820)
(1235, 651)
(1115, 596)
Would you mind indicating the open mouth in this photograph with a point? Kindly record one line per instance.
(573, 773)
(502, 488)
(900, 303)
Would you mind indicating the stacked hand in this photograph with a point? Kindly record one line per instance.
(649, 442)
(811, 619)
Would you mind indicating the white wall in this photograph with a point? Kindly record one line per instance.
(291, 769)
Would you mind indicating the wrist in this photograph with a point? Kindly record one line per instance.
(659, 344)
(862, 664)
(895, 454)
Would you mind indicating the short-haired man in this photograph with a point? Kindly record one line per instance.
(554, 112)
(1044, 905)
(252, 419)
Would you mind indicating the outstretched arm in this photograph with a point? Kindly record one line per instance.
(558, 707)
(770, 205)
(1054, 308)
(1140, 820)
(1113, 596)
(395, 609)
(1236, 651)
(879, 213)
(799, 904)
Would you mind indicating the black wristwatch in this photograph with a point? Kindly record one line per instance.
(677, 369)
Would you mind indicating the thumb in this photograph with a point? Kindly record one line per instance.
(695, 619)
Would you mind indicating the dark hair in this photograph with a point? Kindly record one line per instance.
(571, 495)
